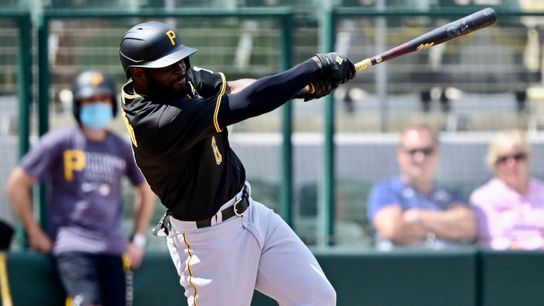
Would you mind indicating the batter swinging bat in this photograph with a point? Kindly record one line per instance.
(454, 29)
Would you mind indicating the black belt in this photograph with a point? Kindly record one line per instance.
(237, 209)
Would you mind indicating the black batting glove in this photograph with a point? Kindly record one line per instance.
(336, 67)
(318, 88)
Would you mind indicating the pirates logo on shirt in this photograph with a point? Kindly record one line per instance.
(218, 156)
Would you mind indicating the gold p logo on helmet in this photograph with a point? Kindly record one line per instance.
(171, 35)
(97, 79)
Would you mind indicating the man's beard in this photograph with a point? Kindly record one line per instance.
(156, 89)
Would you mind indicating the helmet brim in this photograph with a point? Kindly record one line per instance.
(169, 59)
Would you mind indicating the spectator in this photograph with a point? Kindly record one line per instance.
(510, 206)
(411, 210)
(83, 167)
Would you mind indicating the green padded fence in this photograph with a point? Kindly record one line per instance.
(465, 277)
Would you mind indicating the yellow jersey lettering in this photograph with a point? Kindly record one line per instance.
(218, 157)
(130, 129)
(74, 160)
(171, 35)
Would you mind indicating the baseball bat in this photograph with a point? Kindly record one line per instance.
(129, 280)
(4, 282)
(479, 20)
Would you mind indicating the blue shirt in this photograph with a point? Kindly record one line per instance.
(395, 191)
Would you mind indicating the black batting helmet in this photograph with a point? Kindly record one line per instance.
(91, 83)
(152, 44)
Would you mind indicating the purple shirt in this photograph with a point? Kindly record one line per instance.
(84, 181)
(506, 217)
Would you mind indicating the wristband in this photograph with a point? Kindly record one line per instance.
(139, 240)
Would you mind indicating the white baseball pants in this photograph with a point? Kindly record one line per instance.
(221, 265)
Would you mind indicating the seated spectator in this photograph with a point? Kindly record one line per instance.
(510, 206)
(411, 210)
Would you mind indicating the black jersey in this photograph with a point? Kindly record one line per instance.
(182, 151)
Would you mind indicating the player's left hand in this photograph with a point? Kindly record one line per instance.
(136, 255)
(335, 66)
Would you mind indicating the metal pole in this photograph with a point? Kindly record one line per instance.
(327, 206)
(43, 102)
(381, 70)
(286, 202)
(24, 91)
(24, 87)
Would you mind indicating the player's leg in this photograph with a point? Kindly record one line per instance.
(288, 271)
(79, 276)
(112, 280)
(217, 265)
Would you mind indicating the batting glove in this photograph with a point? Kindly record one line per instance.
(335, 66)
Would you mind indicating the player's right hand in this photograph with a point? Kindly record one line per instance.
(39, 241)
(335, 66)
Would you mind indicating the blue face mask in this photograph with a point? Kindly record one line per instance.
(96, 116)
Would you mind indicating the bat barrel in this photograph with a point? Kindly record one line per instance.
(478, 20)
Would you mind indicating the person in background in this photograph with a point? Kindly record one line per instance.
(83, 167)
(510, 206)
(411, 210)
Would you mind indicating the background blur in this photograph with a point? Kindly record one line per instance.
(467, 88)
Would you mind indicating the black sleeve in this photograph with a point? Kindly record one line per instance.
(207, 83)
(266, 94)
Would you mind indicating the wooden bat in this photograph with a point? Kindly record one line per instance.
(129, 279)
(481, 19)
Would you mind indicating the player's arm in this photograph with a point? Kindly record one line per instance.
(18, 188)
(268, 93)
(144, 205)
(238, 85)
(455, 223)
(392, 223)
(307, 93)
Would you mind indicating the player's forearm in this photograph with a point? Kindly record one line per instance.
(144, 209)
(22, 204)
(18, 190)
(267, 94)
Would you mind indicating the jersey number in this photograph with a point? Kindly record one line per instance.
(130, 130)
(218, 157)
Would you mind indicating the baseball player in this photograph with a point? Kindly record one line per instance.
(223, 243)
(84, 166)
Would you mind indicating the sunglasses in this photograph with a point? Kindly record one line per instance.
(517, 157)
(427, 151)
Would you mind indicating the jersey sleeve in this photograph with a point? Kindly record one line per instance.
(40, 158)
(132, 171)
(207, 83)
(186, 122)
(381, 195)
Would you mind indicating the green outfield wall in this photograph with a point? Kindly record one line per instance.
(468, 277)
